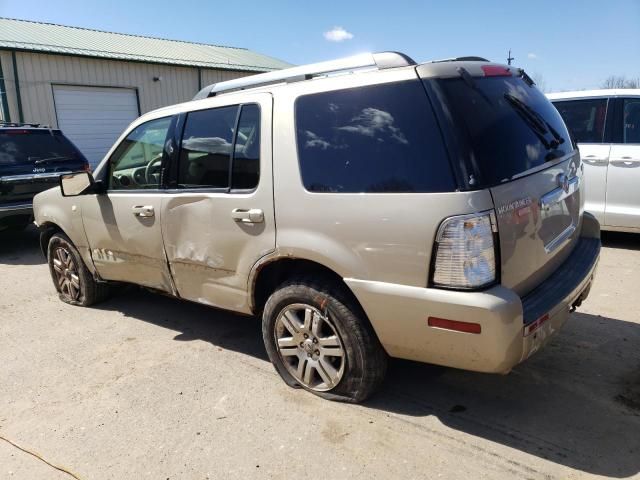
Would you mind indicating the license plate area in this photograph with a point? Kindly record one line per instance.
(559, 214)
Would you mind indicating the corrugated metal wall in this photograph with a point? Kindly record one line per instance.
(37, 72)
(7, 72)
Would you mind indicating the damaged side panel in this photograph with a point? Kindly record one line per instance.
(210, 254)
(124, 245)
(213, 238)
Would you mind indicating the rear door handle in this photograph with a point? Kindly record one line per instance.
(628, 162)
(143, 211)
(253, 215)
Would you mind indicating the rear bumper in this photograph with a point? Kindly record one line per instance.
(512, 328)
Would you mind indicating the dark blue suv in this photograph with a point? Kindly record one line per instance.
(32, 158)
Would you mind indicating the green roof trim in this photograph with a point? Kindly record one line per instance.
(59, 39)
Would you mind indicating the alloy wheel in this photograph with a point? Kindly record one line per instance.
(310, 347)
(66, 272)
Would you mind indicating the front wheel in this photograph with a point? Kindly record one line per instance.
(72, 279)
(319, 340)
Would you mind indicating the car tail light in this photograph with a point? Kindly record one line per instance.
(86, 167)
(465, 254)
(495, 71)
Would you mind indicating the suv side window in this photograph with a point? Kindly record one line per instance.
(246, 156)
(585, 119)
(380, 138)
(205, 154)
(631, 132)
(218, 141)
(136, 162)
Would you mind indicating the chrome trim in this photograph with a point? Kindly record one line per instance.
(14, 207)
(544, 166)
(559, 194)
(32, 176)
(560, 239)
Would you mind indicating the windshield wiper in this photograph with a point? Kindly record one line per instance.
(534, 120)
(58, 158)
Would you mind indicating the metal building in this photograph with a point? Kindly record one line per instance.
(92, 84)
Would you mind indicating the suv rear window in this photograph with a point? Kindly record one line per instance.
(26, 146)
(507, 126)
(381, 138)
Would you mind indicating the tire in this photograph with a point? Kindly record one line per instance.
(73, 281)
(320, 340)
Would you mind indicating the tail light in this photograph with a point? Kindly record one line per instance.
(86, 168)
(465, 252)
(495, 71)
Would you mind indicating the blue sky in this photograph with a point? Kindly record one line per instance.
(572, 44)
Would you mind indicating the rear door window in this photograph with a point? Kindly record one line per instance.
(205, 155)
(507, 126)
(381, 138)
(220, 149)
(585, 119)
(631, 129)
(246, 152)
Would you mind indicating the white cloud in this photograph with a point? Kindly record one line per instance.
(532, 56)
(338, 34)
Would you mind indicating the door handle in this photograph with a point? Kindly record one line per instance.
(627, 162)
(253, 215)
(143, 211)
(595, 161)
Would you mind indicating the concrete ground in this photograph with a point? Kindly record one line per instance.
(144, 386)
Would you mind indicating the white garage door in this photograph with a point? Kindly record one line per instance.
(94, 117)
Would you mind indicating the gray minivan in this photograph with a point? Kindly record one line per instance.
(365, 208)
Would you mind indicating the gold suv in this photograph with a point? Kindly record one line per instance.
(366, 207)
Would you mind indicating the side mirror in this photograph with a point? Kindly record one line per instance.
(74, 184)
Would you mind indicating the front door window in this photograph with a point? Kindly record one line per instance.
(137, 162)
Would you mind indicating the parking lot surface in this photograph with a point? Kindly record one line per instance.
(145, 386)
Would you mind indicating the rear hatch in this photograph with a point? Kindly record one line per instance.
(512, 141)
(32, 159)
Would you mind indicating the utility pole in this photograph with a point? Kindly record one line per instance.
(509, 58)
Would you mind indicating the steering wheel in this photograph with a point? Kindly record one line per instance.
(151, 166)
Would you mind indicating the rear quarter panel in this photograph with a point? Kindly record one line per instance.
(385, 237)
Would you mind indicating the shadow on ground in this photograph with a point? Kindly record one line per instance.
(21, 247)
(576, 403)
(626, 241)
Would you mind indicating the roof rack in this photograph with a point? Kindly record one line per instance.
(461, 59)
(379, 61)
(18, 124)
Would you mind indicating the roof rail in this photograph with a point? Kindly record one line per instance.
(378, 61)
(20, 124)
(461, 59)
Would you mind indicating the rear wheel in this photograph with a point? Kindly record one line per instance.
(319, 340)
(72, 279)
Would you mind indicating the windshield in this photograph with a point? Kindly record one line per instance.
(510, 127)
(35, 147)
